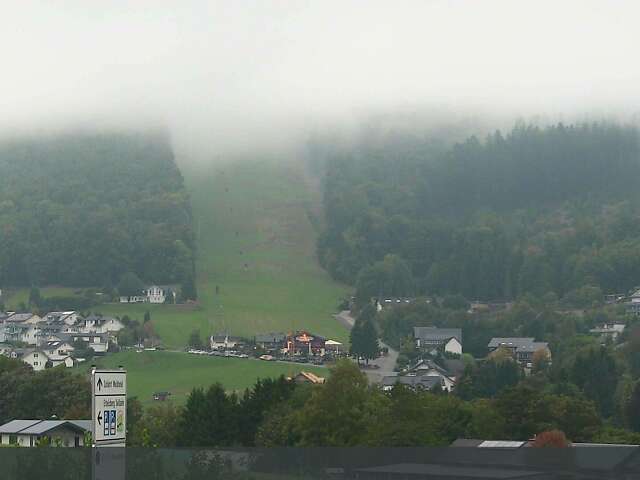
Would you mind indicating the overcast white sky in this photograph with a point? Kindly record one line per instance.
(241, 72)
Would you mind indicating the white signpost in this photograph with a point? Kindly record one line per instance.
(109, 407)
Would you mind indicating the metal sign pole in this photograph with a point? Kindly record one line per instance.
(108, 423)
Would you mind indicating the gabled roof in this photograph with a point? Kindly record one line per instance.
(19, 317)
(56, 344)
(437, 334)
(426, 382)
(29, 351)
(272, 337)
(428, 364)
(223, 337)
(532, 347)
(16, 426)
(510, 341)
(45, 426)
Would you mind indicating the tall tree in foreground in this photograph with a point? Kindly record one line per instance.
(340, 413)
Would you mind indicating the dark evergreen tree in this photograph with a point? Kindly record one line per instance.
(130, 285)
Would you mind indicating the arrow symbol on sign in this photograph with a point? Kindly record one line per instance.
(100, 417)
(99, 384)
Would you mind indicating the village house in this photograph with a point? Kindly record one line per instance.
(633, 305)
(152, 294)
(224, 341)
(3, 317)
(100, 324)
(414, 382)
(30, 433)
(428, 367)
(157, 294)
(522, 348)
(435, 376)
(20, 328)
(68, 318)
(432, 339)
(270, 341)
(613, 298)
(133, 299)
(36, 358)
(58, 347)
(608, 331)
(98, 342)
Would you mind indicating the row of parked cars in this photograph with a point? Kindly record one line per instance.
(218, 353)
(268, 358)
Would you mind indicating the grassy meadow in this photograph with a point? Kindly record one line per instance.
(178, 373)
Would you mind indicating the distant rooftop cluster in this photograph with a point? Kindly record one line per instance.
(51, 340)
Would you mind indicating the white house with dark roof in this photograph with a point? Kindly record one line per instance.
(271, 341)
(223, 341)
(98, 342)
(157, 294)
(434, 338)
(610, 330)
(28, 433)
(36, 358)
(522, 348)
(58, 348)
(429, 368)
(151, 294)
(100, 324)
(68, 318)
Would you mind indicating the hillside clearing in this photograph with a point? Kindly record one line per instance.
(256, 244)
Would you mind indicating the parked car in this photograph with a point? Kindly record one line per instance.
(268, 358)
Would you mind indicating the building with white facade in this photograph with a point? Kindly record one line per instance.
(434, 338)
(31, 433)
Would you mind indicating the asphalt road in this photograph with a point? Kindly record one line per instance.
(386, 363)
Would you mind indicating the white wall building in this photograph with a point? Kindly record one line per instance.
(36, 358)
(28, 433)
(156, 294)
(453, 346)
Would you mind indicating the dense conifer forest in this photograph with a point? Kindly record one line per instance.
(83, 209)
(535, 210)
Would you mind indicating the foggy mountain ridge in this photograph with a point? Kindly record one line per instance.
(243, 77)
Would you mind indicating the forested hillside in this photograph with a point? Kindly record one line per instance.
(83, 209)
(536, 210)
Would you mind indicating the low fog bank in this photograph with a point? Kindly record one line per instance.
(236, 78)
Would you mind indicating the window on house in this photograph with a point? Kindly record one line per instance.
(35, 355)
(35, 364)
(13, 439)
(76, 441)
